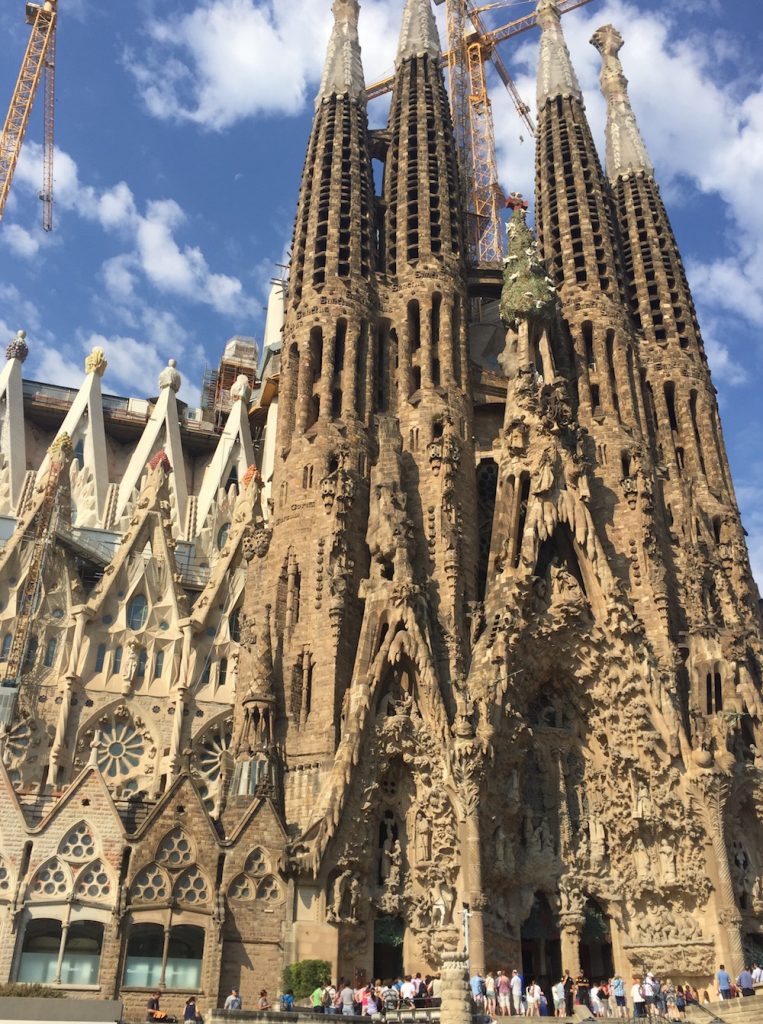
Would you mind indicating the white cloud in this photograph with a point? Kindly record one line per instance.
(168, 265)
(50, 364)
(20, 241)
(230, 59)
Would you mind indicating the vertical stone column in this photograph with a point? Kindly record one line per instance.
(456, 995)
(571, 926)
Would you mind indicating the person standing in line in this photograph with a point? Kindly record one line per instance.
(745, 982)
(569, 993)
(263, 1003)
(316, 999)
(533, 999)
(637, 998)
(516, 993)
(233, 1002)
(490, 993)
(723, 983)
(617, 988)
(287, 1001)
(346, 999)
(559, 1001)
(757, 974)
(504, 994)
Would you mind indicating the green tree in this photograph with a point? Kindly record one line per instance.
(14, 989)
(305, 976)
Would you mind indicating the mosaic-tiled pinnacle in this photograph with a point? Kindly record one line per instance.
(556, 75)
(418, 35)
(626, 150)
(343, 70)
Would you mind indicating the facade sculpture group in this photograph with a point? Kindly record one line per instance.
(498, 658)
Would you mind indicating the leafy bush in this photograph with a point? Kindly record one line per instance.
(305, 976)
(15, 989)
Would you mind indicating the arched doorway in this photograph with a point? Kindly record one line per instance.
(596, 944)
(389, 934)
(541, 946)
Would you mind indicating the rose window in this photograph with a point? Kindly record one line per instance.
(191, 887)
(94, 883)
(79, 844)
(150, 885)
(175, 849)
(207, 761)
(51, 880)
(256, 882)
(120, 749)
(19, 739)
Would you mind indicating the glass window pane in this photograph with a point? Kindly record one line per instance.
(185, 955)
(143, 967)
(39, 953)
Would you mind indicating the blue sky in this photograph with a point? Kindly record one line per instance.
(181, 129)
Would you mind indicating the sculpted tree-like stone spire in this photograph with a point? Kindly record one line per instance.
(343, 70)
(418, 35)
(556, 75)
(527, 288)
(626, 150)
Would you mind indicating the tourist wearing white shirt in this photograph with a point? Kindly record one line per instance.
(637, 997)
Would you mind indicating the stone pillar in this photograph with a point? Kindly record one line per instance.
(571, 926)
(456, 995)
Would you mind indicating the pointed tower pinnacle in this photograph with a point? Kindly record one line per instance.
(343, 70)
(556, 75)
(626, 150)
(418, 35)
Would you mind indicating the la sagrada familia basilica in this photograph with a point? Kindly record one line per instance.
(448, 624)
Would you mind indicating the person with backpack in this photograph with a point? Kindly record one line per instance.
(287, 1001)
(637, 998)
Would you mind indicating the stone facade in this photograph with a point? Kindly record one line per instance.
(496, 674)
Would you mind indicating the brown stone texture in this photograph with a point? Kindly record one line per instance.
(499, 657)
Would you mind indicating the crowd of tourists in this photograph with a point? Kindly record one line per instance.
(499, 994)
(377, 997)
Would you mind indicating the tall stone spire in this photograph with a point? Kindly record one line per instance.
(556, 75)
(418, 35)
(626, 150)
(343, 70)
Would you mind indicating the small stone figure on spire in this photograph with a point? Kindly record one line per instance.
(626, 150)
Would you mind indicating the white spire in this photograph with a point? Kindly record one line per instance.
(556, 75)
(418, 35)
(343, 71)
(626, 150)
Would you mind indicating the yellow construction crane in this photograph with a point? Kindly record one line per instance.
(470, 45)
(39, 62)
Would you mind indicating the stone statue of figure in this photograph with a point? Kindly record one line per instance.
(641, 860)
(336, 911)
(448, 897)
(385, 853)
(667, 862)
(423, 839)
(131, 663)
(598, 836)
(394, 872)
(356, 894)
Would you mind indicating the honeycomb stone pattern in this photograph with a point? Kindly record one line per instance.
(94, 882)
(175, 850)
(79, 845)
(150, 885)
